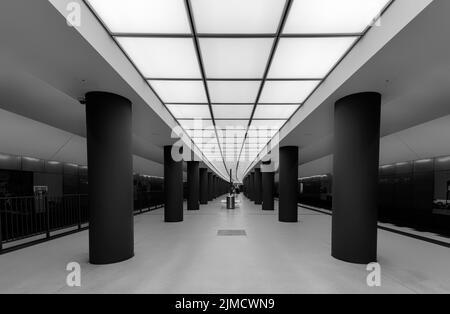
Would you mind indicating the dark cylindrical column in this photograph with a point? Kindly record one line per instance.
(268, 190)
(258, 186)
(109, 133)
(173, 187)
(288, 210)
(210, 186)
(355, 182)
(203, 186)
(215, 186)
(218, 187)
(246, 187)
(193, 185)
(252, 186)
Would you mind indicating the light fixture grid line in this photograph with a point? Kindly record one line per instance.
(364, 33)
(108, 31)
(191, 19)
(233, 79)
(233, 104)
(196, 36)
(233, 35)
(282, 22)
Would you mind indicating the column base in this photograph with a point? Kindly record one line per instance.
(174, 220)
(110, 261)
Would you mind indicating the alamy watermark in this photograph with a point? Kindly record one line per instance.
(73, 17)
(374, 277)
(73, 278)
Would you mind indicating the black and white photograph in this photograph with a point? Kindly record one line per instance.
(224, 155)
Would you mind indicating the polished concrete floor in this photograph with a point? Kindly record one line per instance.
(190, 257)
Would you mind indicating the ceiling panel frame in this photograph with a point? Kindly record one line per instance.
(195, 36)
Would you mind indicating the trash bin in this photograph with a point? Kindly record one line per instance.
(231, 202)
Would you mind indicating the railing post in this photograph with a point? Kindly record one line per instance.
(47, 214)
(79, 211)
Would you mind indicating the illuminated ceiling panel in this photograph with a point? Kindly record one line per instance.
(275, 111)
(237, 16)
(229, 111)
(235, 57)
(233, 91)
(261, 133)
(194, 124)
(332, 16)
(142, 16)
(268, 124)
(180, 91)
(235, 63)
(308, 58)
(231, 140)
(238, 133)
(287, 91)
(162, 57)
(191, 111)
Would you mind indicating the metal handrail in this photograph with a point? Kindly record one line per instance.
(25, 217)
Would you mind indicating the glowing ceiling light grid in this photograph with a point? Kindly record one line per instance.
(333, 17)
(249, 147)
(308, 58)
(287, 91)
(254, 144)
(205, 134)
(238, 133)
(204, 139)
(211, 150)
(180, 111)
(237, 16)
(142, 16)
(254, 132)
(233, 124)
(179, 91)
(206, 143)
(231, 140)
(250, 150)
(232, 111)
(228, 144)
(280, 111)
(195, 124)
(230, 92)
(240, 48)
(268, 124)
(235, 58)
(230, 147)
(162, 57)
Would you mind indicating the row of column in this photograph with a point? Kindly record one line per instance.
(203, 186)
(355, 179)
(356, 159)
(110, 171)
(210, 186)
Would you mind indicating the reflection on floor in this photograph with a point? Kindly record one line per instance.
(190, 257)
(426, 236)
